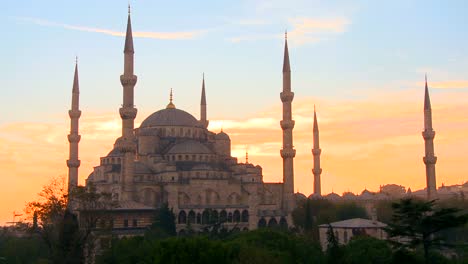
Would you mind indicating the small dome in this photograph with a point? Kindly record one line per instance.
(333, 196)
(189, 147)
(222, 136)
(170, 117)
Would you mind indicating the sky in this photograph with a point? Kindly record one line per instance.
(361, 63)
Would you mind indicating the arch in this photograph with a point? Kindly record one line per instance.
(205, 217)
(283, 223)
(223, 216)
(198, 218)
(262, 223)
(245, 216)
(214, 216)
(211, 197)
(182, 217)
(191, 217)
(236, 216)
(272, 222)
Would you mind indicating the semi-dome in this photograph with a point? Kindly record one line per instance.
(189, 147)
(170, 117)
(222, 136)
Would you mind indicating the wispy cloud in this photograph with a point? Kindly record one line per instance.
(180, 35)
(310, 30)
(449, 84)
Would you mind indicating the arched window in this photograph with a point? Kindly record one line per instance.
(245, 216)
(283, 223)
(262, 223)
(214, 216)
(236, 216)
(223, 216)
(182, 217)
(191, 217)
(205, 217)
(272, 222)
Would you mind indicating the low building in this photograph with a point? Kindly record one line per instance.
(346, 229)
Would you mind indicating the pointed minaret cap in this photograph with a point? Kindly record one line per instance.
(170, 105)
(286, 67)
(76, 85)
(427, 100)
(315, 121)
(129, 36)
(203, 96)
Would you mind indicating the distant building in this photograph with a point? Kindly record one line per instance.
(345, 230)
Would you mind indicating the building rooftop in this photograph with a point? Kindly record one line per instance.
(355, 223)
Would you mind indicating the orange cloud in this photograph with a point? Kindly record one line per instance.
(364, 144)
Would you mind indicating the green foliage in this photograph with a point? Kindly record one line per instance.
(418, 223)
(367, 250)
(23, 250)
(258, 246)
(163, 223)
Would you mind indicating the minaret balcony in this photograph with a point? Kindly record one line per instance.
(316, 152)
(74, 138)
(128, 80)
(286, 96)
(430, 160)
(316, 171)
(287, 124)
(428, 134)
(73, 163)
(288, 153)
(74, 113)
(128, 112)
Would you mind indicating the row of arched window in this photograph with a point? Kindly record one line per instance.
(209, 216)
(272, 222)
(191, 157)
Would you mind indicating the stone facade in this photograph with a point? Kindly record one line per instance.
(173, 158)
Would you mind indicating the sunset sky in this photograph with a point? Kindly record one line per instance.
(362, 63)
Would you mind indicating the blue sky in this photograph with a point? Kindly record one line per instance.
(368, 46)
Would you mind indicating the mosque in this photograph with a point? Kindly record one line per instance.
(173, 159)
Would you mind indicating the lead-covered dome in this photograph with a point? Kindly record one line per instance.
(170, 117)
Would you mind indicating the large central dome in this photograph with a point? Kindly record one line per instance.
(170, 117)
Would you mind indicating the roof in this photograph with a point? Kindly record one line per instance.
(356, 223)
(170, 117)
(189, 147)
(222, 136)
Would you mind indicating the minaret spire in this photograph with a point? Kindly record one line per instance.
(429, 158)
(73, 162)
(203, 119)
(127, 143)
(316, 151)
(287, 124)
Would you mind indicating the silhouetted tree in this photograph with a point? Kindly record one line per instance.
(417, 223)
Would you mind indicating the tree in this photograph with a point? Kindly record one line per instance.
(57, 222)
(163, 223)
(418, 223)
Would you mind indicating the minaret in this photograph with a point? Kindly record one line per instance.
(74, 138)
(429, 158)
(126, 144)
(287, 124)
(203, 119)
(316, 151)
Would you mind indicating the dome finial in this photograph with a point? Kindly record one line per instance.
(170, 105)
